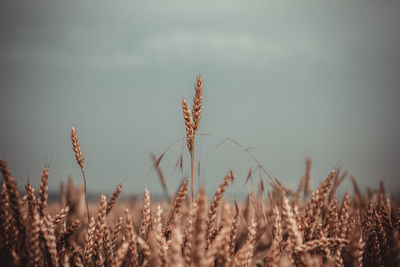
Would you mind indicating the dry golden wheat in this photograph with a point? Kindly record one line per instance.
(289, 228)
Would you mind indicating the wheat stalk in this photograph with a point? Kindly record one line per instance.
(214, 205)
(43, 191)
(192, 120)
(79, 159)
(175, 212)
(113, 198)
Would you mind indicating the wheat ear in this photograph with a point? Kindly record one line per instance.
(16, 206)
(43, 191)
(160, 247)
(33, 240)
(31, 197)
(119, 259)
(234, 229)
(189, 234)
(192, 120)
(197, 102)
(175, 257)
(116, 233)
(198, 254)
(146, 217)
(88, 253)
(59, 217)
(113, 199)
(212, 212)
(108, 252)
(175, 212)
(187, 116)
(131, 238)
(50, 239)
(79, 159)
(99, 230)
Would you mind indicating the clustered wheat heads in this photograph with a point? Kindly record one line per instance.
(192, 120)
(285, 230)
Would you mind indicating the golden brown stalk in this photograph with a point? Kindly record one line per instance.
(9, 229)
(79, 159)
(315, 204)
(321, 243)
(343, 228)
(34, 242)
(175, 212)
(190, 232)
(99, 231)
(131, 238)
(50, 239)
(107, 246)
(251, 241)
(244, 256)
(344, 216)
(360, 251)
(88, 254)
(215, 233)
(66, 234)
(116, 234)
(219, 250)
(187, 116)
(119, 259)
(331, 221)
(192, 120)
(59, 217)
(274, 251)
(15, 204)
(198, 254)
(113, 198)
(146, 250)
(159, 246)
(175, 257)
(214, 205)
(197, 102)
(43, 191)
(234, 229)
(287, 215)
(76, 147)
(31, 197)
(144, 227)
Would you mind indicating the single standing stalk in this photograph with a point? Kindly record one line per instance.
(79, 159)
(192, 119)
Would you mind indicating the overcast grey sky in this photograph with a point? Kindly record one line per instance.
(290, 78)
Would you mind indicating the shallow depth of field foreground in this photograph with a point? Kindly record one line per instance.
(276, 229)
(283, 227)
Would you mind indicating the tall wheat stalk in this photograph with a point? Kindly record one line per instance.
(192, 120)
(79, 159)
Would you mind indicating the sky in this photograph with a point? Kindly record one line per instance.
(290, 79)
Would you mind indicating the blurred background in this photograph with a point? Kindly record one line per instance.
(290, 80)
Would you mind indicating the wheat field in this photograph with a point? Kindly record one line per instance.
(281, 227)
